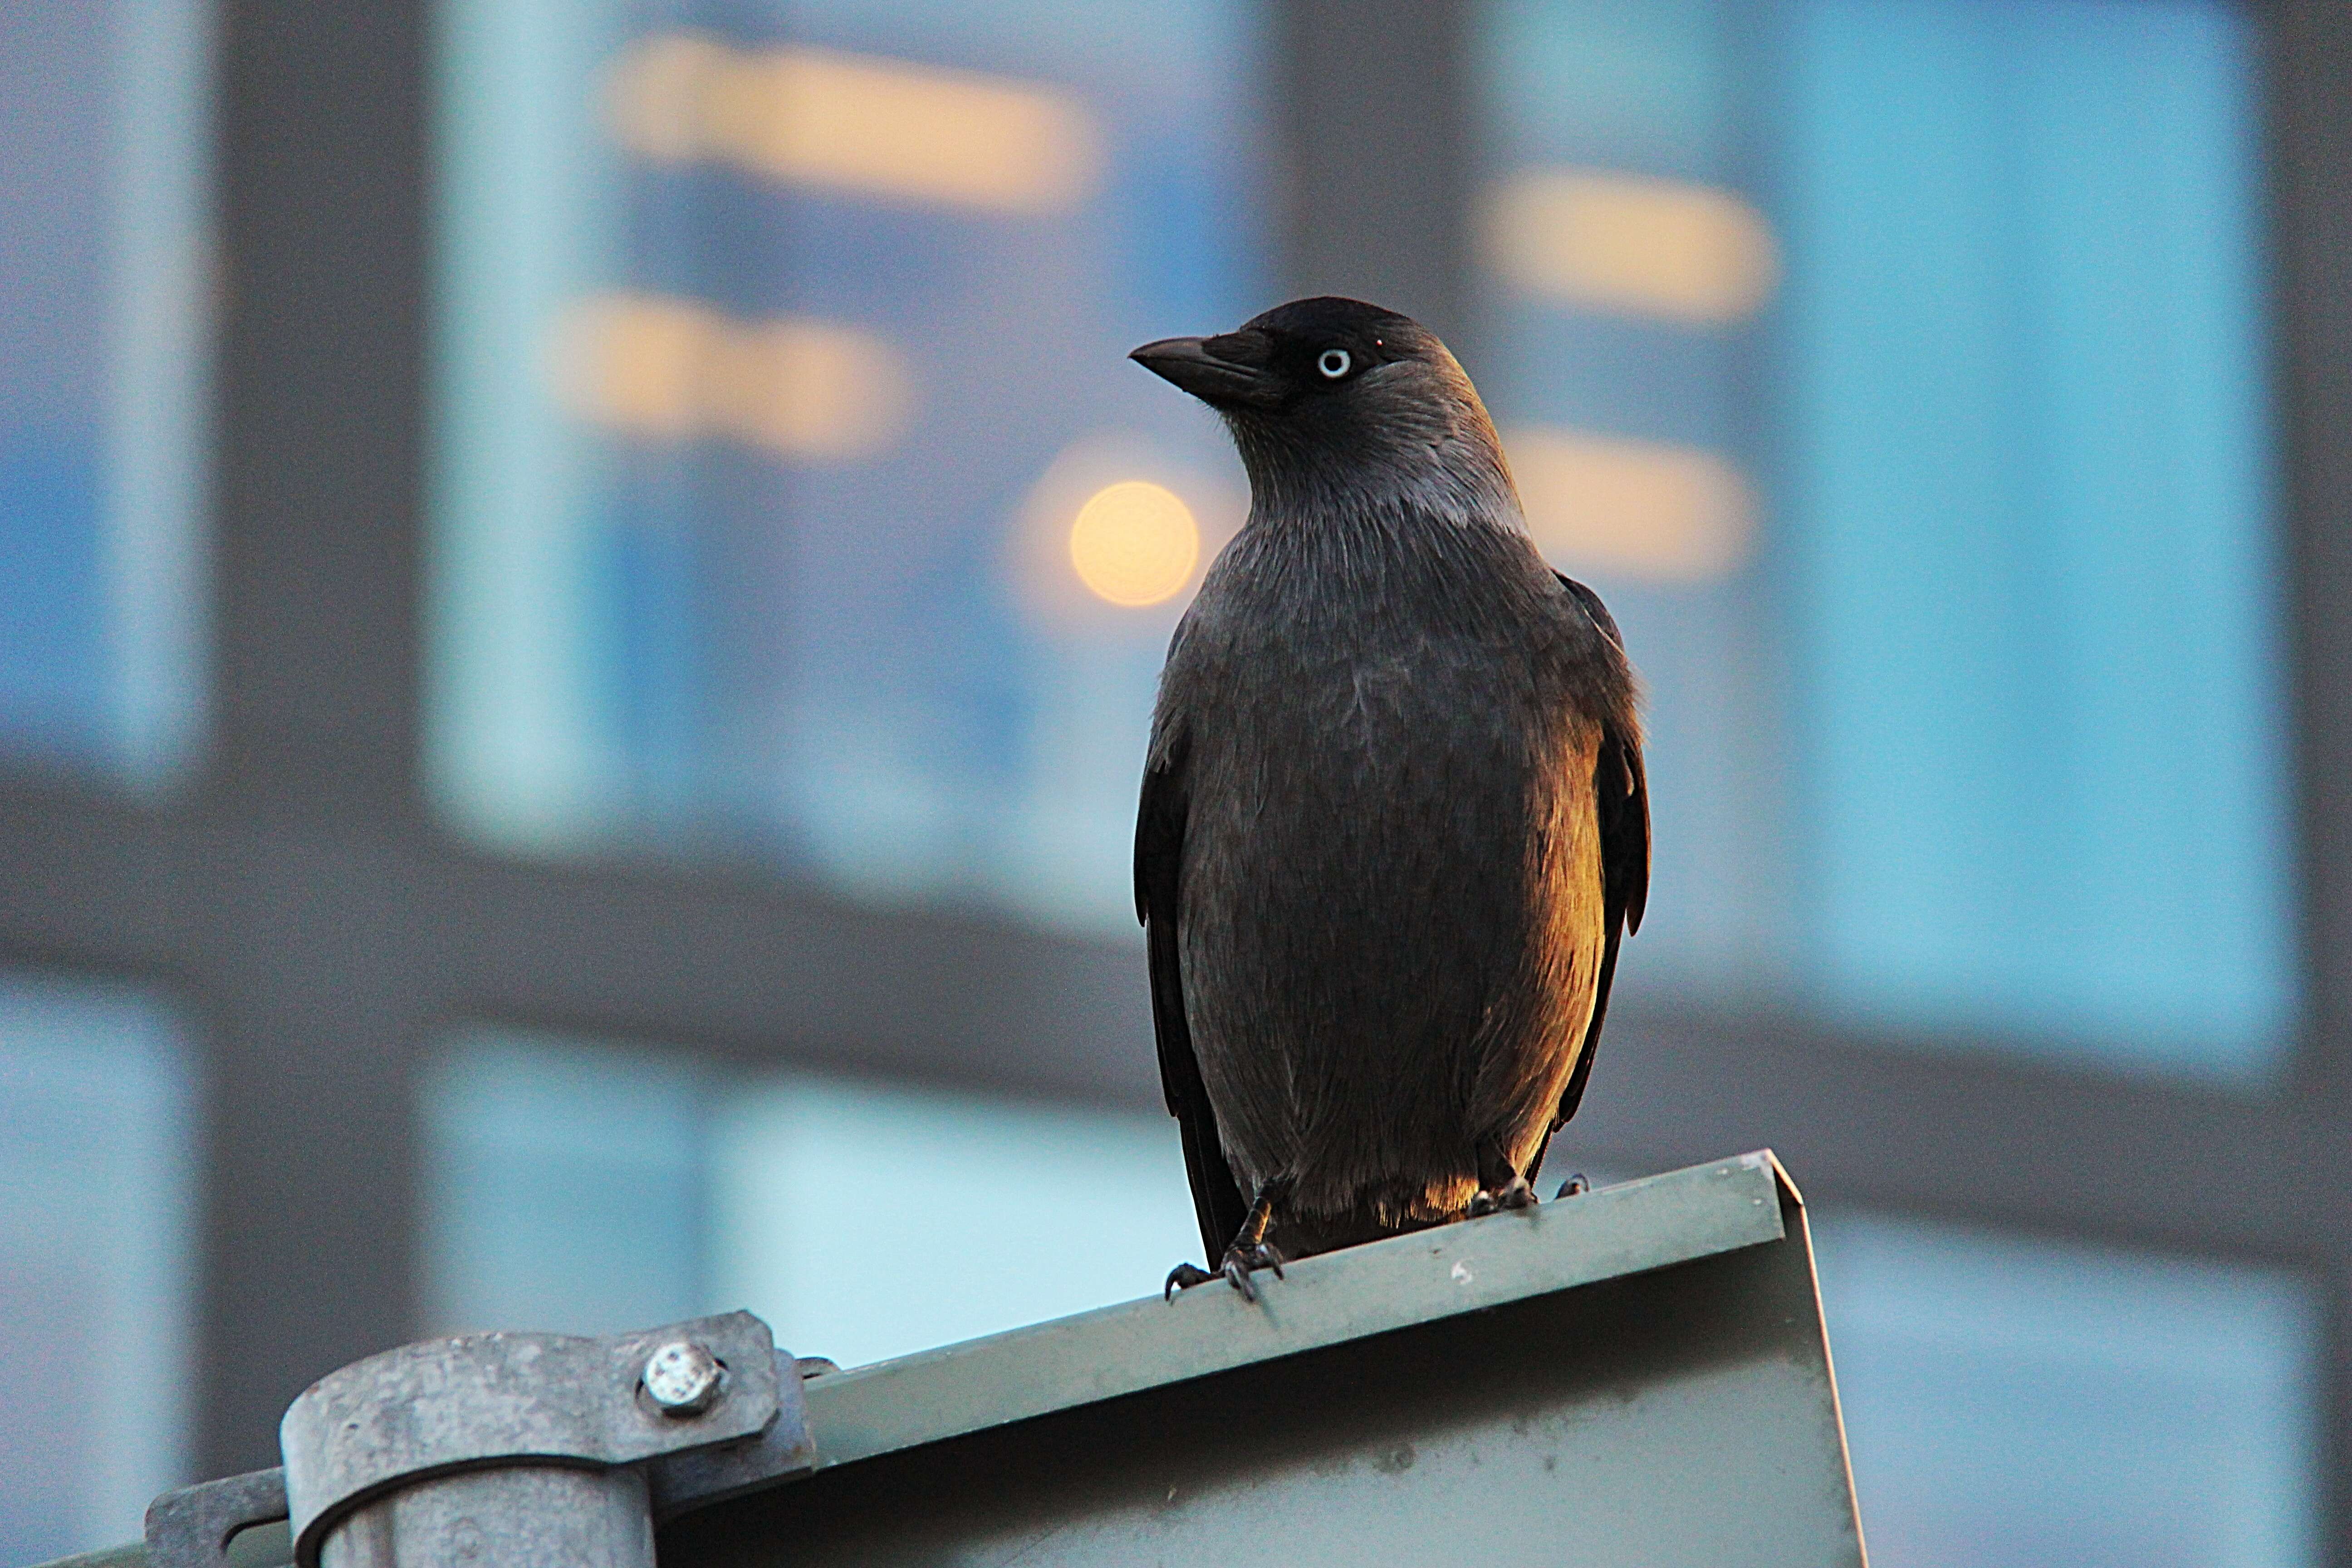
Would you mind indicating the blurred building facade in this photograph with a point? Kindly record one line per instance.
(581, 581)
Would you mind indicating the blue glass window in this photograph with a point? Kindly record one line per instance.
(2031, 553)
(97, 1263)
(104, 265)
(1896, 368)
(781, 349)
(2012, 1403)
(797, 1163)
(562, 1183)
(589, 1188)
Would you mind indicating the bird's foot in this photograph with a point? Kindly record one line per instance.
(1240, 1260)
(1513, 1195)
(1576, 1186)
(1183, 1276)
(1235, 1270)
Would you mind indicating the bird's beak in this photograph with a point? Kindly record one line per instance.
(1222, 372)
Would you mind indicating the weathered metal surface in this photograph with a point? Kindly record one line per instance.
(191, 1527)
(514, 1447)
(1322, 1301)
(683, 1378)
(1635, 1375)
(515, 1517)
(695, 1477)
(1638, 1374)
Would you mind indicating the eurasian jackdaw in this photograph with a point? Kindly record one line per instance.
(1394, 819)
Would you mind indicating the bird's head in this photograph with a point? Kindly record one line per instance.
(1332, 399)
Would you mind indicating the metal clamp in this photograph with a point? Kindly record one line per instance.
(510, 1448)
(191, 1527)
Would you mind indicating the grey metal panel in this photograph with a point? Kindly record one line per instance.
(1319, 1301)
(319, 393)
(2310, 62)
(321, 388)
(1373, 102)
(1635, 1376)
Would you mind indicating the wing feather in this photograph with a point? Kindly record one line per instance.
(1622, 796)
(1159, 867)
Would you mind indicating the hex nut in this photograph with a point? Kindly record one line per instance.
(683, 1379)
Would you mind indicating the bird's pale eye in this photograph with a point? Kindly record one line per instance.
(1334, 364)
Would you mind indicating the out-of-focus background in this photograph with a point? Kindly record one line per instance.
(581, 581)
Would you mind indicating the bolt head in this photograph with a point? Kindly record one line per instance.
(683, 1379)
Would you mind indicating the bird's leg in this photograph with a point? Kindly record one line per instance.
(1500, 1184)
(1249, 1249)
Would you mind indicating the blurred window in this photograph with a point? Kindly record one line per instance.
(588, 1188)
(104, 260)
(1896, 368)
(97, 1262)
(867, 1221)
(1897, 380)
(2010, 1403)
(793, 489)
(563, 1185)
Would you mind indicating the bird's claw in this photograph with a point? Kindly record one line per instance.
(1576, 1186)
(1514, 1194)
(1183, 1276)
(1235, 1271)
(1240, 1260)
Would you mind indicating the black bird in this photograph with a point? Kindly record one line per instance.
(1394, 819)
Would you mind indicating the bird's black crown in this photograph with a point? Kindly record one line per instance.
(1294, 352)
(1299, 335)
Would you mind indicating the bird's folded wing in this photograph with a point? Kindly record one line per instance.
(1159, 867)
(1621, 793)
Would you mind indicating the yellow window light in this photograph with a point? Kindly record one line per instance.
(676, 370)
(1637, 511)
(1135, 543)
(1109, 542)
(857, 123)
(1684, 252)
